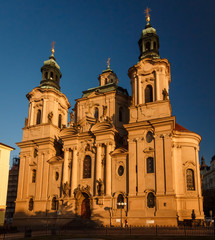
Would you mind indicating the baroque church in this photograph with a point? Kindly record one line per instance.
(120, 158)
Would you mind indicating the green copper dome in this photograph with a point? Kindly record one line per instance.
(51, 73)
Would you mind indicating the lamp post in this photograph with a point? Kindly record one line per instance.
(121, 205)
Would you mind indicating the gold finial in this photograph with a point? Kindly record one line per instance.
(108, 63)
(53, 43)
(147, 15)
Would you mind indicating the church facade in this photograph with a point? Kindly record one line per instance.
(120, 158)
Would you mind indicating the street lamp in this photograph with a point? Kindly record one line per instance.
(121, 205)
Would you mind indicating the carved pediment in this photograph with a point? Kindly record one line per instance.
(80, 189)
(55, 159)
(94, 94)
(148, 149)
(188, 163)
(99, 126)
(32, 164)
(120, 150)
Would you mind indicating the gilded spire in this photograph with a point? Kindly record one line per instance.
(147, 15)
(108, 63)
(53, 43)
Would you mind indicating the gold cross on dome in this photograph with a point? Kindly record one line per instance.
(108, 63)
(147, 14)
(53, 43)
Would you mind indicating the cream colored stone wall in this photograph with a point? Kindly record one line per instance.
(4, 172)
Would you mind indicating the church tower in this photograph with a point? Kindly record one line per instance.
(48, 110)
(163, 155)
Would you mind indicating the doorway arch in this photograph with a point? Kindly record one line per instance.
(85, 206)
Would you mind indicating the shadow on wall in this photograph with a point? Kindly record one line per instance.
(44, 220)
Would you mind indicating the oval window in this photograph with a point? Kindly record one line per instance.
(149, 137)
(120, 170)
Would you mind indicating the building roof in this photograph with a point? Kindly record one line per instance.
(6, 146)
(106, 88)
(180, 128)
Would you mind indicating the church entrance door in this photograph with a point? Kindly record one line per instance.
(85, 207)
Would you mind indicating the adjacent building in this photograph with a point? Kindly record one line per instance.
(4, 171)
(12, 190)
(208, 186)
(120, 158)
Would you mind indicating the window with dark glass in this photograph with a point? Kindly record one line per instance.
(120, 114)
(150, 165)
(148, 94)
(147, 46)
(59, 120)
(39, 116)
(120, 199)
(120, 170)
(31, 204)
(190, 180)
(51, 75)
(34, 173)
(87, 167)
(54, 204)
(46, 75)
(155, 46)
(149, 137)
(56, 176)
(96, 113)
(150, 200)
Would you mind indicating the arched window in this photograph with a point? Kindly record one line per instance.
(39, 116)
(148, 94)
(51, 75)
(155, 45)
(150, 165)
(34, 173)
(120, 114)
(96, 113)
(150, 200)
(54, 204)
(120, 199)
(59, 120)
(87, 167)
(31, 204)
(147, 46)
(46, 75)
(105, 80)
(190, 180)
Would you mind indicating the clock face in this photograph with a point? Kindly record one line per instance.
(149, 137)
(120, 170)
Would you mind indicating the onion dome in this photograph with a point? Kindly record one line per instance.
(149, 40)
(51, 73)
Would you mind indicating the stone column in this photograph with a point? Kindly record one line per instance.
(136, 91)
(98, 162)
(21, 177)
(74, 170)
(132, 167)
(32, 114)
(44, 113)
(65, 165)
(26, 178)
(108, 169)
(39, 173)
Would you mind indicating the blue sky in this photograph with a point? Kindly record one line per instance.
(86, 33)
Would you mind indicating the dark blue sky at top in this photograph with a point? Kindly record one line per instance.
(86, 33)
